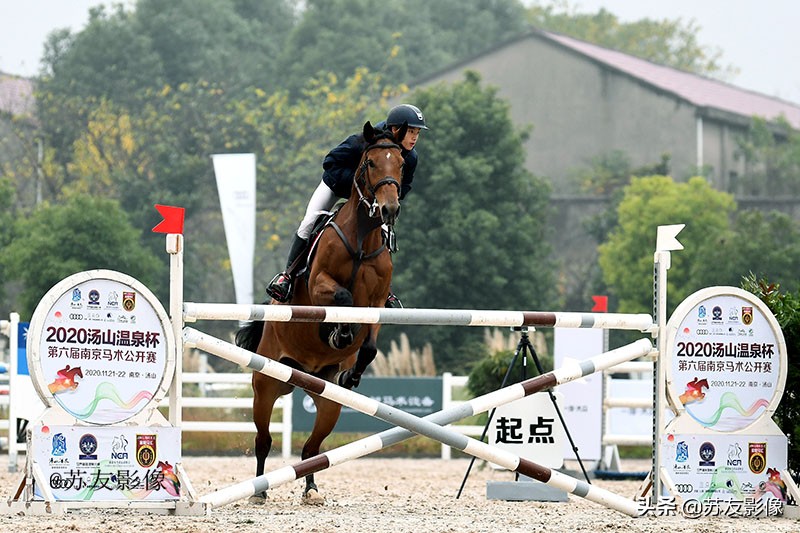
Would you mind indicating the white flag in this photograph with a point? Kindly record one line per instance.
(236, 183)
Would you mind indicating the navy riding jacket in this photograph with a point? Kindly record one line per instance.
(340, 165)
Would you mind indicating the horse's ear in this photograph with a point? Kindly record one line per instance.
(369, 132)
(401, 133)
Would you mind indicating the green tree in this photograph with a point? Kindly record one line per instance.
(234, 43)
(764, 245)
(785, 305)
(771, 152)
(7, 216)
(402, 40)
(84, 233)
(667, 42)
(130, 57)
(473, 231)
(626, 258)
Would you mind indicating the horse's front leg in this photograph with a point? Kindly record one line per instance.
(366, 354)
(326, 291)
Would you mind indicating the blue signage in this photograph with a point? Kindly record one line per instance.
(22, 349)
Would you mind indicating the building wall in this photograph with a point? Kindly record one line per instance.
(580, 109)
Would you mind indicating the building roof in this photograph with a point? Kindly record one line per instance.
(695, 89)
(16, 95)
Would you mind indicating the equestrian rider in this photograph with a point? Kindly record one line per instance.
(339, 168)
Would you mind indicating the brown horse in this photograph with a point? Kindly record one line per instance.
(350, 266)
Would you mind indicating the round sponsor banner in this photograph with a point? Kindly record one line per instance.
(726, 365)
(100, 346)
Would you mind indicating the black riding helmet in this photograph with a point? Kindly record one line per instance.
(406, 113)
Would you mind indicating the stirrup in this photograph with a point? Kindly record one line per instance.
(280, 288)
(393, 302)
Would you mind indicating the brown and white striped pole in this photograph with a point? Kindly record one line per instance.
(428, 426)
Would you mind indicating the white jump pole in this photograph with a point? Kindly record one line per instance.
(423, 317)
(424, 427)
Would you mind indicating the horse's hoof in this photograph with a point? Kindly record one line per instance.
(339, 341)
(312, 497)
(347, 379)
(257, 499)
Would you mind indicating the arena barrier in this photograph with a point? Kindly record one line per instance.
(430, 429)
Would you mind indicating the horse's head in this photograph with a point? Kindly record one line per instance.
(381, 165)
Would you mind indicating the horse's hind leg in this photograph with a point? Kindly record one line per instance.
(327, 415)
(266, 392)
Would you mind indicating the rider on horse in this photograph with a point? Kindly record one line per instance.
(339, 168)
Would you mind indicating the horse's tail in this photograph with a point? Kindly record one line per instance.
(249, 336)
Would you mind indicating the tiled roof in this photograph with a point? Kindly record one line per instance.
(696, 89)
(16, 95)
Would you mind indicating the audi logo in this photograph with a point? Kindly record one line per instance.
(684, 488)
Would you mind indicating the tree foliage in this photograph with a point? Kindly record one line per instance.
(772, 155)
(473, 232)
(402, 40)
(785, 305)
(626, 258)
(670, 42)
(84, 233)
(722, 246)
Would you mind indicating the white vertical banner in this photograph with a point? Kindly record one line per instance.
(582, 407)
(236, 183)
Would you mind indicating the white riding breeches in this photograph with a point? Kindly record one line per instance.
(321, 202)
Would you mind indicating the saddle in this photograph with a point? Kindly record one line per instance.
(322, 222)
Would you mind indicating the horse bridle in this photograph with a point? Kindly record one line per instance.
(361, 179)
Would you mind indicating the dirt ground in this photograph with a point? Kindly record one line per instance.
(381, 495)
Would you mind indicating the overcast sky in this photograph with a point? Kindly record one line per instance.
(759, 37)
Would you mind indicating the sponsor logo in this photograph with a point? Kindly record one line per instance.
(59, 444)
(702, 315)
(682, 452)
(734, 454)
(684, 488)
(757, 456)
(747, 315)
(716, 314)
(75, 316)
(128, 300)
(77, 300)
(119, 447)
(88, 447)
(113, 300)
(701, 331)
(146, 450)
(94, 298)
(707, 453)
(733, 316)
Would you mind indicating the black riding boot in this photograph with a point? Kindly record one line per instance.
(281, 285)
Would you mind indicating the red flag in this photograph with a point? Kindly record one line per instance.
(173, 219)
(600, 304)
